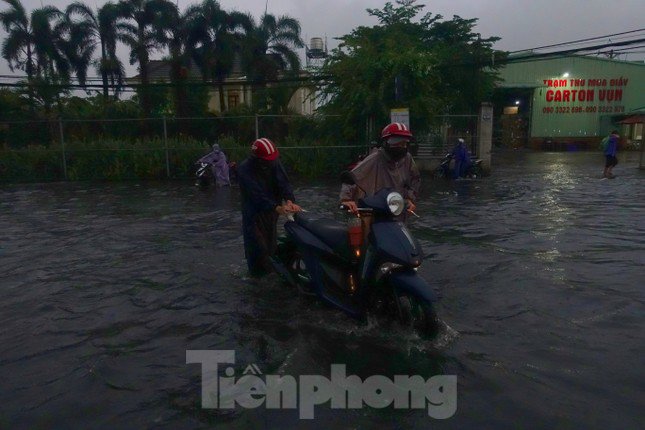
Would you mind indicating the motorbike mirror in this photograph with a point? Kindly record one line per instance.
(347, 178)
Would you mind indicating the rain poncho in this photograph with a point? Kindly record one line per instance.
(378, 171)
(219, 166)
(263, 187)
(462, 160)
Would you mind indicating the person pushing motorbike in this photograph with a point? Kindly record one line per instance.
(390, 166)
(462, 159)
(266, 194)
(219, 166)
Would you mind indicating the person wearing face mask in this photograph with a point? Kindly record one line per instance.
(266, 194)
(390, 166)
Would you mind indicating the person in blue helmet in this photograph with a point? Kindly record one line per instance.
(462, 159)
(266, 194)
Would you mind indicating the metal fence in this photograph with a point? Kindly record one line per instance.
(71, 149)
(441, 140)
(122, 148)
(641, 162)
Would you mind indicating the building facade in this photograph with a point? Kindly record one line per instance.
(238, 90)
(571, 101)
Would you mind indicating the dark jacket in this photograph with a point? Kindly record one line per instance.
(460, 153)
(262, 190)
(612, 145)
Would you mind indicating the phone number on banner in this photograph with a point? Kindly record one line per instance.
(583, 109)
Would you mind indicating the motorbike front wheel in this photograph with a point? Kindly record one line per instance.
(439, 173)
(418, 314)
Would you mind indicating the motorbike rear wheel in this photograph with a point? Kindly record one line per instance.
(417, 314)
(474, 172)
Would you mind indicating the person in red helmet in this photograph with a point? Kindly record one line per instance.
(266, 194)
(390, 166)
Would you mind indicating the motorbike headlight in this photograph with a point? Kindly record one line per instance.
(396, 203)
(385, 269)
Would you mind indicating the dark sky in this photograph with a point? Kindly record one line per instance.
(521, 24)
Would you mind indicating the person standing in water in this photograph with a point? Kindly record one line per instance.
(266, 194)
(610, 150)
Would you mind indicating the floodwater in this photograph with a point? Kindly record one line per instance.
(540, 267)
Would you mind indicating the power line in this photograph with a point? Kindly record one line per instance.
(297, 81)
(579, 41)
(566, 52)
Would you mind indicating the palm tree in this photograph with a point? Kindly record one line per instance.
(18, 47)
(53, 68)
(269, 51)
(76, 44)
(269, 47)
(50, 59)
(215, 38)
(140, 34)
(102, 27)
(176, 32)
(35, 44)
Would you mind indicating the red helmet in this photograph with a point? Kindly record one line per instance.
(265, 149)
(395, 129)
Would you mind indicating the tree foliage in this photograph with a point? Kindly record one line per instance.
(429, 65)
(439, 66)
(98, 29)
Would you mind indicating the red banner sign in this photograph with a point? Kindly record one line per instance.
(599, 95)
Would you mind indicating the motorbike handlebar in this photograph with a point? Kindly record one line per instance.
(343, 207)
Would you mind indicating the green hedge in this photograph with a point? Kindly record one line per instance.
(115, 160)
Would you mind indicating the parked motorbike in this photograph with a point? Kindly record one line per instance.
(444, 171)
(360, 272)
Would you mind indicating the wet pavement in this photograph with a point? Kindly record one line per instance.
(540, 268)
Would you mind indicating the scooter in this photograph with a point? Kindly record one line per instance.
(361, 273)
(444, 171)
(203, 174)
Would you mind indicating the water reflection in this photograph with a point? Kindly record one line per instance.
(105, 287)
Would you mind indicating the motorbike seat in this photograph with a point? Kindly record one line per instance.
(331, 232)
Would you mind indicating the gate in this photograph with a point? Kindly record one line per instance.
(440, 140)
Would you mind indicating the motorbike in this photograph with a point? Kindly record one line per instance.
(361, 267)
(203, 174)
(444, 171)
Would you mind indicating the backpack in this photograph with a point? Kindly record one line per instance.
(604, 143)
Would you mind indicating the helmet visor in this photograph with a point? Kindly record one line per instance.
(398, 141)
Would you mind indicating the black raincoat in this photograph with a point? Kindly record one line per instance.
(264, 186)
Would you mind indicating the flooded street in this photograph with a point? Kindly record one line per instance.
(540, 268)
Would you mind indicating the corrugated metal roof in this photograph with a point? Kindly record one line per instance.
(160, 70)
(636, 119)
